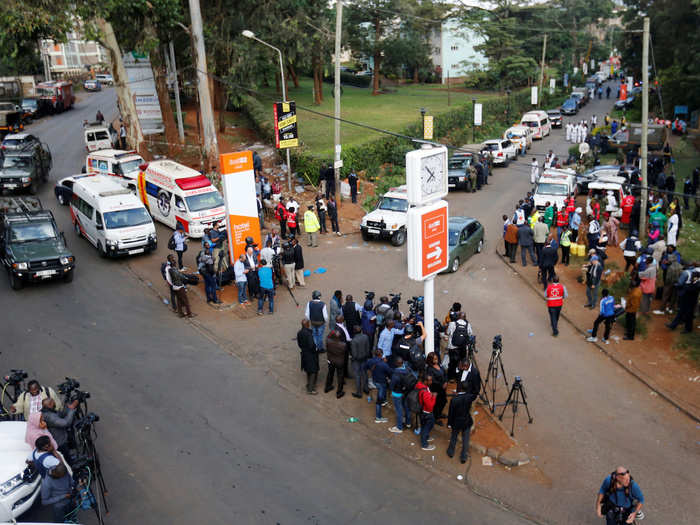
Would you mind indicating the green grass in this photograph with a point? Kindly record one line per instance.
(687, 158)
(689, 344)
(392, 111)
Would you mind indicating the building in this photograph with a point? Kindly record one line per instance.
(73, 55)
(453, 52)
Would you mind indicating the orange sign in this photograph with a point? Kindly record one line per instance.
(623, 91)
(434, 253)
(238, 183)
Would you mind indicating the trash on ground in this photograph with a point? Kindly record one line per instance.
(352, 420)
(486, 461)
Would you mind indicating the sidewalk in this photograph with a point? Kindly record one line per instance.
(649, 358)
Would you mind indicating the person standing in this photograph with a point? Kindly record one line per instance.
(630, 248)
(166, 275)
(292, 221)
(335, 307)
(437, 385)
(568, 132)
(336, 350)
(534, 172)
(321, 210)
(381, 373)
(594, 273)
(352, 181)
(548, 261)
(122, 136)
(209, 275)
(99, 117)
(333, 215)
(251, 264)
(239, 272)
(288, 263)
(298, 262)
(57, 491)
(317, 314)
(281, 216)
(178, 280)
(540, 234)
(351, 313)
(426, 399)
(31, 400)
(606, 315)
(555, 295)
(179, 242)
(565, 243)
(328, 174)
(359, 354)
(619, 493)
(648, 284)
(511, 240)
(526, 242)
(633, 300)
(402, 382)
(311, 226)
(562, 221)
(672, 229)
(575, 223)
(689, 290)
(593, 232)
(460, 421)
(267, 288)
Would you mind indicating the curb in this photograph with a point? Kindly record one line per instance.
(670, 398)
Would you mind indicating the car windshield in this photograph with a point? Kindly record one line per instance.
(16, 162)
(100, 135)
(491, 147)
(453, 237)
(530, 123)
(32, 231)
(204, 201)
(29, 103)
(45, 92)
(393, 204)
(548, 188)
(553, 113)
(458, 164)
(514, 134)
(12, 143)
(125, 218)
(130, 165)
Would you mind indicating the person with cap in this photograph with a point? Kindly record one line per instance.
(555, 295)
(309, 355)
(321, 210)
(575, 223)
(317, 314)
(630, 248)
(594, 273)
(311, 226)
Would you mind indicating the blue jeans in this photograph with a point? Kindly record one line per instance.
(242, 294)
(317, 333)
(270, 294)
(427, 423)
(210, 286)
(402, 414)
(381, 397)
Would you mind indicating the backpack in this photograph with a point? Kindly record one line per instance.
(163, 267)
(171, 242)
(459, 336)
(417, 357)
(413, 400)
(407, 382)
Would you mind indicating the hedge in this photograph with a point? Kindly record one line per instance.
(452, 127)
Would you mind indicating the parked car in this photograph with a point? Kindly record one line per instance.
(30, 109)
(388, 219)
(520, 136)
(554, 117)
(465, 238)
(579, 98)
(458, 171)
(25, 169)
(593, 173)
(20, 485)
(502, 150)
(582, 93)
(104, 78)
(569, 107)
(92, 85)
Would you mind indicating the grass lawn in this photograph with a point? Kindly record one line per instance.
(390, 111)
(687, 158)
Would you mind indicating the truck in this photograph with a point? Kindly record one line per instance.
(388, 219)
(10, 118)
(55, 96)
(31, 247)
(26, 168)
(631, 137)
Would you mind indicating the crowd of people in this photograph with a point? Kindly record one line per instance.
(383, 350)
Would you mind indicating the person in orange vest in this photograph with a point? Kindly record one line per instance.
(627, 204)
(570, 207)
(562, 222)
(292, 221)
(555, 295)
(281, 215)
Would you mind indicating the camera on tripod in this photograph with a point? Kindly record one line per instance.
(369, 296)
(497, 343)
(86, 421)
(16, 376)
(69, 389)
(394, 301)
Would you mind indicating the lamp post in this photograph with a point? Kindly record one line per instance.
(249, 34)
(473, 118)
(422, 120)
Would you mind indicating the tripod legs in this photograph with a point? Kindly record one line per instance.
(492, 375)
(516, 397)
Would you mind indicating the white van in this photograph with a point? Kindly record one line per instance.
(174, 194)
(19, 491)
(555, 186)
(96, 137)
(520, 136)
(538, 122)
(111, 217)
(117, 163)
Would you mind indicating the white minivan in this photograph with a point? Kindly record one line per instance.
(97, 137)
(110, 216)
(117, 163)
(176, 194)
(20, 487)
(555, 186)
(538, 122)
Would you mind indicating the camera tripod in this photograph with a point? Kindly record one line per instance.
(471, 357)
(495, 364)
(515, 398)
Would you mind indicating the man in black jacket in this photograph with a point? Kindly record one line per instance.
(58, 422)
(298, 262)
(336, 351)
(460, 420)
(309, 356)
(548, 260)
(526, 242)
(359, 353)
(351, 313)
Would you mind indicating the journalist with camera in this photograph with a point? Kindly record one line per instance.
(59, 422)
(30, 401)
(619, 499)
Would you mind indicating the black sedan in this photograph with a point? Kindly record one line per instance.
(569, 107)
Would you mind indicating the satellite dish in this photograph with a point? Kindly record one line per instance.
(583, 148)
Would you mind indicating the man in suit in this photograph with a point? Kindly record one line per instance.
(336, 351)
(460, 421)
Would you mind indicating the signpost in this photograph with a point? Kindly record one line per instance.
(478, 114)
(286, 134)
(533, 95)
(427, 225)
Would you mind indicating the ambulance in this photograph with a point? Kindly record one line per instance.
(555, 186)
(110, 216)
(117, 163)
(174, 194)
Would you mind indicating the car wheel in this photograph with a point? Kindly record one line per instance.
(455, 265)
(76, 227)
(398, 238)
(480, 246)
(15, 282)
(68, 277)
(101, 250)
(365, 235)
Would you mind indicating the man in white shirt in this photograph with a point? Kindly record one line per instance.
(568, 132)
(267, 253)
(292, 204)
(240, 271)
(534, 172)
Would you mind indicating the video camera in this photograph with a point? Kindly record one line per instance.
(87, 420)
(416, 305)
(69, 389)
(394, 301)
(16, 376)
(369, 296)
(497, 343)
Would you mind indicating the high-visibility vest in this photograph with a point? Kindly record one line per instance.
(561, 218)
(555, 294)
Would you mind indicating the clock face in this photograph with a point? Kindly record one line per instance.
(432, 174)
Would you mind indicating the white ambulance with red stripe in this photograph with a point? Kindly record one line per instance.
(174, 194)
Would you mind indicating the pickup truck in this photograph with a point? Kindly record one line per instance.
(631, 137)
(10, 118)
(31, 247)
(25, 169)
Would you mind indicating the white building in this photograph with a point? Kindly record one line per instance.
(453, 50)
(74, 54)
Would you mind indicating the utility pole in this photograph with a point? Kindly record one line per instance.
(544, 52)
(211, 146)
(645, 128)
(176, 87)
(45, 59)
(336, 88)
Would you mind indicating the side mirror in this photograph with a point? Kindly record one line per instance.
(99, 227)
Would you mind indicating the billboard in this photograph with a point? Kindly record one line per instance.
(238, 184)
(286, 133)
(143, 91)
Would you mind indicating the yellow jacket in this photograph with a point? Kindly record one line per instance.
(534, 218)
(311, 224)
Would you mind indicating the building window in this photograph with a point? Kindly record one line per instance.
(455, 66)
(454, 48)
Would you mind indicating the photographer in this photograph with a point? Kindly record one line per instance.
(57, 491)
(58, 422)
(30, 401)
(458, 333)
(619, 498)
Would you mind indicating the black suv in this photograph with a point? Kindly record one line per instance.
(31, 248)
(26, 168)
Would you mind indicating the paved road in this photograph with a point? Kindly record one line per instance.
(188, 432)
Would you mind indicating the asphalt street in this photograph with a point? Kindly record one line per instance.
(188, 433)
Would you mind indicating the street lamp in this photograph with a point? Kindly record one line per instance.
(249, 34)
